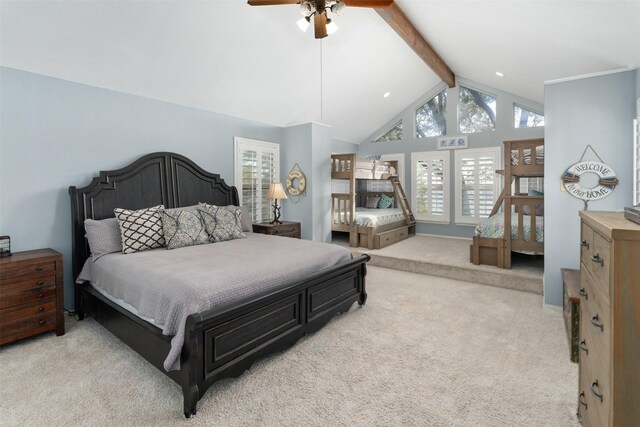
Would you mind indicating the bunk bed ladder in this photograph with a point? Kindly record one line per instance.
(402, 201)
(498, 203)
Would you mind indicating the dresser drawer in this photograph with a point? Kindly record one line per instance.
(594, 384)
(586, 241)
(29, 326)
(597, 262)
(23, 296)
(30, 270)
(595, 323)
(282, 231)
(25, 283)
(8, 315)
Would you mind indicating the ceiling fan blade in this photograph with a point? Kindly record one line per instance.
(378, 4)
(271, 2)
(320, 24)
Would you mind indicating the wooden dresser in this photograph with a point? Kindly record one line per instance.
(31, 294)
(286, 229)
(609, 390)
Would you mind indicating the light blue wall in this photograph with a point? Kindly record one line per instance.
(309, 145)
(321, 183)
(339, 147)
(504, 131)
(55, 133)
(296, 148)
(598, 111)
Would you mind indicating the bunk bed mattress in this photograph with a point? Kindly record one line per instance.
(493, 228)
(165, 286)
(374, 217)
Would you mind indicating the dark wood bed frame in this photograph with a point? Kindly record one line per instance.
(217, 344)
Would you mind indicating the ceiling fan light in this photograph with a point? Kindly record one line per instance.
(331, 26)
(306, 8)
(337, 7)
(303, 24)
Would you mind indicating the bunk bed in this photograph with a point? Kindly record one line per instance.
(524, 212)
(369, 227)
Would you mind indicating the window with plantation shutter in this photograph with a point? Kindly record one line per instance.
(430, 185)
(477, 184)
(257, 165)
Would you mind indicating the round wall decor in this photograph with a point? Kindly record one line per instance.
(296, 182)
(606, 184)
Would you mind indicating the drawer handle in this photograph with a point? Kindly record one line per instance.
(596, 258)
(41, 295)
(583, 293)
(583, 346)
(40, 268)
(40, 282)
(582, 402)
(584, 244)
(594, 388)
(42, 322)
(595, 320)
(40, 309)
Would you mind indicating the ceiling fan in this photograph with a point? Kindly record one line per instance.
(318, 10)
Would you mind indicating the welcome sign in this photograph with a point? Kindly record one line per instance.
(606, 183)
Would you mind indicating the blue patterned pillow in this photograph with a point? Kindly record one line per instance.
(183, 227)
(385, 202)
(222, 222)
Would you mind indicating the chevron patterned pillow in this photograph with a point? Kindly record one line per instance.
(222, 222)
(140, 230)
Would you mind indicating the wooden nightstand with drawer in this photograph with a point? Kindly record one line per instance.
(609, 380)
(286, 229)
(31, 294)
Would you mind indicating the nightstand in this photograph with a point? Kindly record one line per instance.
(286, 229)
(31, 294)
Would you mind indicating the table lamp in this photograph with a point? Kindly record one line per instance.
(276, 192)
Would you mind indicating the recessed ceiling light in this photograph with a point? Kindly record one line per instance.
(499, 74)
(387, 94)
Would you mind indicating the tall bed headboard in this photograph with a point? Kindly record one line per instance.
(157, 178)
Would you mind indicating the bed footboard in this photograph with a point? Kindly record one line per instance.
(229, 342)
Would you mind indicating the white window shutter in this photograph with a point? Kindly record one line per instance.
(257, 165)
(430, 189)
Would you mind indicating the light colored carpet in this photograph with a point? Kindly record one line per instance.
(424, 351)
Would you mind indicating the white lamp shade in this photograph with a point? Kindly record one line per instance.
(331, 27)
(276, 191)
(303, 24)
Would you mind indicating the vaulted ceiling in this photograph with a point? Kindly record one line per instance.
(253, 62)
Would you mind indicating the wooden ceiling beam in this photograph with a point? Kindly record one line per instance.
(398, 20)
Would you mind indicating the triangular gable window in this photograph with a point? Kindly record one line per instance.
(523, 118)
(393, 134)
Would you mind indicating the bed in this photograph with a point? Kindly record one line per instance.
(235, 326)
(490, 244)
(369, 228)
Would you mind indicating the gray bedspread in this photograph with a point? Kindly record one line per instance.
(168, 285)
